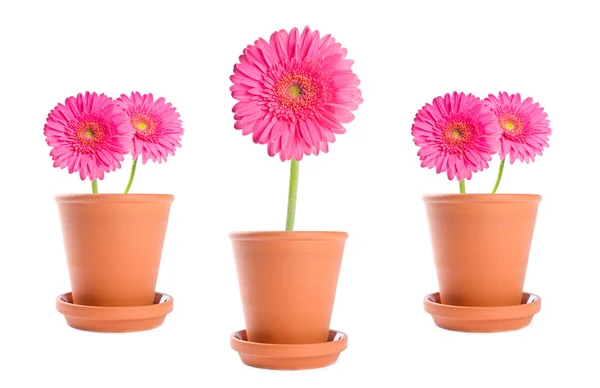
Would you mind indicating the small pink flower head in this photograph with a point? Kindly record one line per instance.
(156, 125)
(525, 127)
(89, 134)
(457, 134)
(294, 92)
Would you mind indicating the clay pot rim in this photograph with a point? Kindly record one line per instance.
(321, 349)
(114, 198)
(295, 235)
(482, 198)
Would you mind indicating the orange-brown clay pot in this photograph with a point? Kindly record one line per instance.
(113, 244)
(481, 246)
(287, 283)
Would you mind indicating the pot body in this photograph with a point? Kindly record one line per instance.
(113, 244)
(288, 282)
(481, 245)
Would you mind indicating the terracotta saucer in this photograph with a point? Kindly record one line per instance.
(115, 319)
(483, 319)
(291, 357)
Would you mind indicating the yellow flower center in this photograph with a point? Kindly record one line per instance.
(511, 124)
(296, 93)
(458, 134)
(295, 90)
(89, 134)
(143, 124)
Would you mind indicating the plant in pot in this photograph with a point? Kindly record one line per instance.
(113, 242)
(481, 242)
(294, 94)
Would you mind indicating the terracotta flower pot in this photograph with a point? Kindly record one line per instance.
(113, 244)
(287, 283)
(481, 246)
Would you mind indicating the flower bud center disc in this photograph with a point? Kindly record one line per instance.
(295, 90)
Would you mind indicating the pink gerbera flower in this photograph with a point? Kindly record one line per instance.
(156, 124)
(525, 127)
(458, 134)
(89, 134)
(294, 92)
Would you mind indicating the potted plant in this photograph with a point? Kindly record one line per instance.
(480, 242)
(113, 242)
(294, 93)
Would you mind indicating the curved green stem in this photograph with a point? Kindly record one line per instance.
(462, 186)
(95, 186)
(500, 171)
(292, 196)
(131, 175)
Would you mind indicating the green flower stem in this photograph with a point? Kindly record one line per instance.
(500, 171)
(95, 186)
(131, 175)
(462, 187)
(292, 196)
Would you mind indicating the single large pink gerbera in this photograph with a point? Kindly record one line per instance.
(525, 127)
(294, 92)
(457, 134)
(156, 124)
(90, 134)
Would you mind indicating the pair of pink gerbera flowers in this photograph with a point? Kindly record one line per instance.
(91, 133)
(458, 133)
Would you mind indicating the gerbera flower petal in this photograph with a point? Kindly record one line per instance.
(457, 134)
(266, 52)
(294, 92)
(156, 126)
(524, 124)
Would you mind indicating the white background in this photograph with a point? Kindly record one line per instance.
(370, 185)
